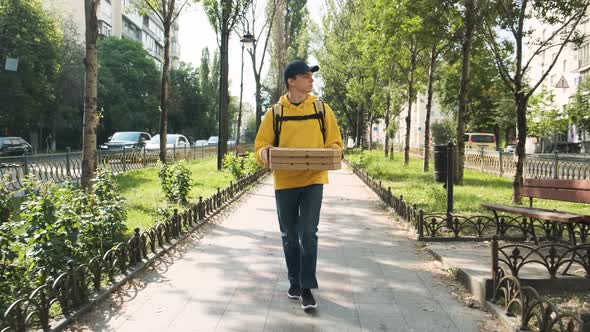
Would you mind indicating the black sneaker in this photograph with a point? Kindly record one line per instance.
(307, 300)
(294, 292)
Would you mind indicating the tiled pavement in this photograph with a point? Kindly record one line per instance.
(234, 279)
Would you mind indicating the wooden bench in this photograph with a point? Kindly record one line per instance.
(554, 189)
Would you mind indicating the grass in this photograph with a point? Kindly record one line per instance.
(143, 195)
(419, 188)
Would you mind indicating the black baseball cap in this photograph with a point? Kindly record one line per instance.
(297, 67)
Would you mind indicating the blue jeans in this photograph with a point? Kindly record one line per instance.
(299, 215)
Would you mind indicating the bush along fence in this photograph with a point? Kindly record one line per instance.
(60, 167)
(518, 300)
(79, 286)
(456, 227)
(539, 166)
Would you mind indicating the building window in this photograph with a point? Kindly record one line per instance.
(584, 56)
(104, 29)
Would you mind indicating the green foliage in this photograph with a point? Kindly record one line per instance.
(442, 132)
(545, 118)
(31, 35)
(47, 240)
(240, 166)
(103, 216)
(128, 87)
(579, 110)
(4, 199)
(176, 181)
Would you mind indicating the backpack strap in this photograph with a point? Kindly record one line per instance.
(277, 123)
(278, 118)
(318, 107)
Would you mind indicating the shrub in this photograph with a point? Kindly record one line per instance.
(240, 166)
(442, 132)
(103, 216)
(4, 200)
(176, 181)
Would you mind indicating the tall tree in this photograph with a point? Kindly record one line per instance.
(290, 40)
(90, 96)
(469, 17)
(27, 94)
(254, 51)
(129, 87)
(514, 18)
(167, 11)
(223, 15)
(439, 19)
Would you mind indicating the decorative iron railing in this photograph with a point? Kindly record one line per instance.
(61, 166)
(440, 227)
(535, 312)
(79, 283)
(539, 166)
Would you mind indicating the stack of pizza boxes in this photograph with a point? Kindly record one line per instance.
(296, 159)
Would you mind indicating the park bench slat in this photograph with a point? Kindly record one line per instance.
(558, 183)
(543, 214)
(577, 196)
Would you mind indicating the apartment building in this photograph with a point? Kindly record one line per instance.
(117, 18)
(417, 123)
(572, 66)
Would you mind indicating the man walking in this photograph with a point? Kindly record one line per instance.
(299, 120)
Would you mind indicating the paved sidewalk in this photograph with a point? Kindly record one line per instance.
(234, 279)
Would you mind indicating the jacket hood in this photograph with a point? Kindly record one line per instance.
(285, 101)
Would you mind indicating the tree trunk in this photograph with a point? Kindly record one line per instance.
(223, 86)
(164, 94)
(90, 96)
(463, 98)
(370, 133)
(497, 136)
(258, 102)
(431, 69)
(358, 127)
(240, 106)
(521, 132)
(387, 116)
(410, 100)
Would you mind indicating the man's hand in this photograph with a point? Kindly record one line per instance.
(265, 156)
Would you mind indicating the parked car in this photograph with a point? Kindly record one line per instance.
(14, 146)
(213, 140)
(172, 140)
(231, 143)
(480, 140)
(510, 148)
(200, 142)
(127, 140)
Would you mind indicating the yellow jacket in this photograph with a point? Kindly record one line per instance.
(299, 134)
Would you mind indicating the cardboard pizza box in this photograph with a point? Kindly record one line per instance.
(305, 159)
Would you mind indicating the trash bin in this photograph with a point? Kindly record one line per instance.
(440, 163)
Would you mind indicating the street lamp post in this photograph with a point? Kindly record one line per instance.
(247, 41)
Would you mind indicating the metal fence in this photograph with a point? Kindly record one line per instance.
(81, 284)
(58, 167)
(540, 166)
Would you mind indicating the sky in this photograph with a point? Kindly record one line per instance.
(196, 34)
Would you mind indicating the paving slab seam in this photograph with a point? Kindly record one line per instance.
(65, 322)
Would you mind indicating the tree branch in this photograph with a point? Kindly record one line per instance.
(179, 11)
(554, 61)
(504, 73)
(541, 49)
(147, 2)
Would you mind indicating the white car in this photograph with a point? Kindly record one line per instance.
(213, 140)
(172, 140)
(510, 148)
(200, 142)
